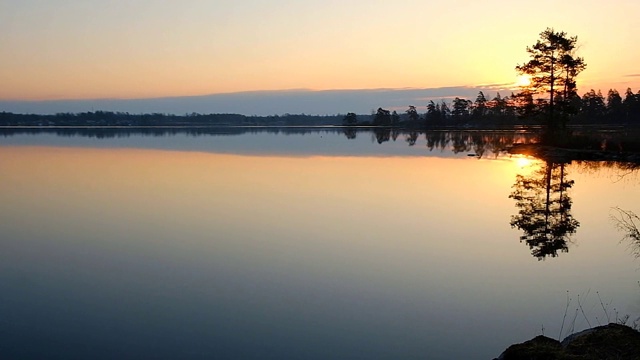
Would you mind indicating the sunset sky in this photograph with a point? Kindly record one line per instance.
(92, 49)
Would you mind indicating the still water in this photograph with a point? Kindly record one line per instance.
(304, 245)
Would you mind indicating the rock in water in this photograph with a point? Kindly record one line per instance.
(607, 342)
(539, 348)
(613, 341)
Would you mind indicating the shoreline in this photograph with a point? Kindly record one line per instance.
(607, 342)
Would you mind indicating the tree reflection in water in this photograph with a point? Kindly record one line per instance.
(628, 222)
(382, 134)
(544, 210)
(350, 133)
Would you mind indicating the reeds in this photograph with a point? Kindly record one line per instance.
(611, 315)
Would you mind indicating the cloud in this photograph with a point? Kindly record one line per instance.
(632, 75)
(508, 85)
(297, 101)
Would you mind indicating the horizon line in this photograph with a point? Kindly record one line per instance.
(266, 91)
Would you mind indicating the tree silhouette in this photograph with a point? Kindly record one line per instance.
(631, 104)
(544, 213)
(382, 117)
(525, 104)
(480, 105)
(395, 118)
(615, 110)
(350, 119)
(461, 108)
(553, 68)
(433, 113)
(413, 114)
(593, 106)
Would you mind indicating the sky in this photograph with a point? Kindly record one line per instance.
(138, 49)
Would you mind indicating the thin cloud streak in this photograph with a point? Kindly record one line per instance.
(278, 102)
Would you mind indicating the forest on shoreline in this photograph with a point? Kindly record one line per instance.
(514, 110)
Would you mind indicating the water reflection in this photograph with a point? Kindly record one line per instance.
(222, 253)
(382, 135)
(411, 137)
(476, 142)
(544, 203)
(119, 132)
(350, 133)
(480, 143)
(542, 197)
(544, 209)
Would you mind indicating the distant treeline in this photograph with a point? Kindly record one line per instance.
(108, 118)
(593, 108)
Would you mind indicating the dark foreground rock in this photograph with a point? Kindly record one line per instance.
(611, 341)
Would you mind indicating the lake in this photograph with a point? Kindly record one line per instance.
(302, 244)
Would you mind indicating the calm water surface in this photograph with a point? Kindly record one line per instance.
(300, 246)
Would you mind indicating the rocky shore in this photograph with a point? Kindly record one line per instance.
(608, 342)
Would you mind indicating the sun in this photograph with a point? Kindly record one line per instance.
(523, 162)
(523, 81)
